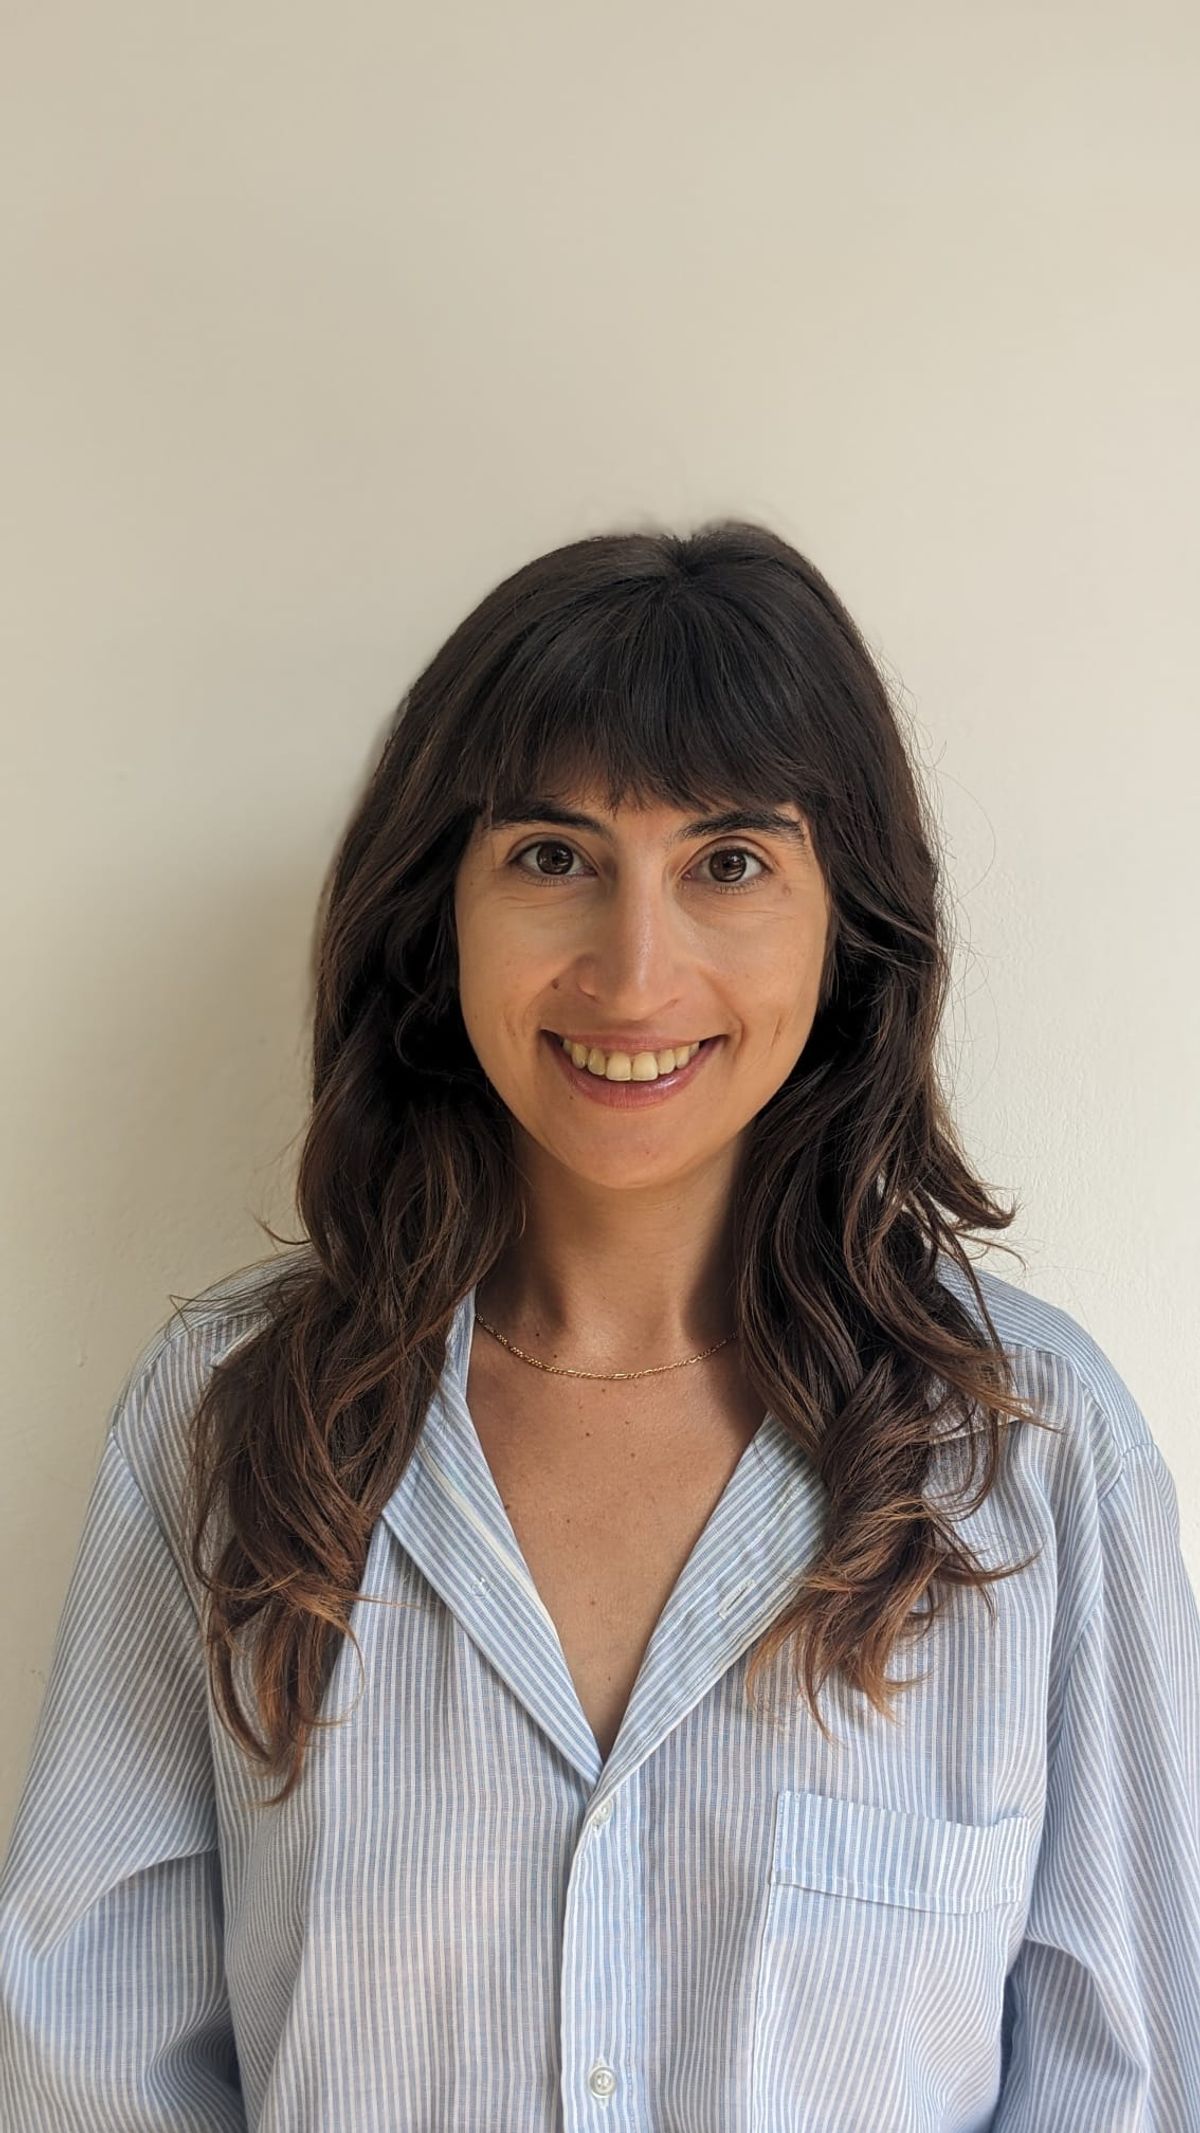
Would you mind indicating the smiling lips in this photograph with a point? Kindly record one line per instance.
(611, 1080)
(615, 1065)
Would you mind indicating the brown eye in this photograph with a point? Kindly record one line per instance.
(564, 853)
(544, 844)
(736, 852)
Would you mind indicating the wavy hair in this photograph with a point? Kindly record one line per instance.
(713, 669)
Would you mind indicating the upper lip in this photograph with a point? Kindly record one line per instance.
(621, 1041)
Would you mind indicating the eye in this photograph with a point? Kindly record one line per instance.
(738, 851)
(724, 888)
(544, 844)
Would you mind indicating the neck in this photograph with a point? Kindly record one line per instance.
(616, 1279)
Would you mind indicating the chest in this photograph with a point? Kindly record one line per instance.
(607, 1494)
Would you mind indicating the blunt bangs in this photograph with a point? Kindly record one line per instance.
(646, 697)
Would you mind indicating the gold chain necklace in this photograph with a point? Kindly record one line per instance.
(561, 1370)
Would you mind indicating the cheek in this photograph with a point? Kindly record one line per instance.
(783, 1000)
(490, 1001)
(480, 998)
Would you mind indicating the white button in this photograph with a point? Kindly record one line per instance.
(602, 1812)
(602, 2081)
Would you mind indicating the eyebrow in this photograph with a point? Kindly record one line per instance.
(766, 821)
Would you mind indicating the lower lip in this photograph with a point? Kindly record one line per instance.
(628, 1095)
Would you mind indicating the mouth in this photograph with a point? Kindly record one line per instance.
(629, 1093)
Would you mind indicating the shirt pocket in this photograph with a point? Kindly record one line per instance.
(886, 1940)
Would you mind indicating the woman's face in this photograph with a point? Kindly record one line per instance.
(651, 928)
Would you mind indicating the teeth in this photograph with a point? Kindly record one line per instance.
(621, 1066)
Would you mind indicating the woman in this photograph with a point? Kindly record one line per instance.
(631, 1366)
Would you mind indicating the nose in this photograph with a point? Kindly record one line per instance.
(635, 961)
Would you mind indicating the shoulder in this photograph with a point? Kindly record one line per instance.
(1062, 1368)
(152, 1414)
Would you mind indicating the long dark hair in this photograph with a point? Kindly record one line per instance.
(717, 668)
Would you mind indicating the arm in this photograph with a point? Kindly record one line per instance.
(1101, 2030)
(114, 2014)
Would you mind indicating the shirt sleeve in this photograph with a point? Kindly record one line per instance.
(114, 2013)
(1101, 2025)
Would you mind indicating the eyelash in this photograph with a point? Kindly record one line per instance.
(723, 888)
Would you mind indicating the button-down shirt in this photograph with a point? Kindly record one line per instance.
(983, 1914)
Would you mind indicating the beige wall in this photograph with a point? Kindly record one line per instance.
(319, 319)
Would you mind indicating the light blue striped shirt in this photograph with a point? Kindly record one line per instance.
(986, 1915)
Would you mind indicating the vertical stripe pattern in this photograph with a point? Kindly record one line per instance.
(983, 1915)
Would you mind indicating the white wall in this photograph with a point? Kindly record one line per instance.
(320, 319)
